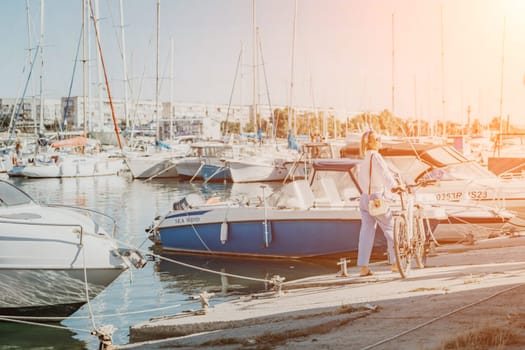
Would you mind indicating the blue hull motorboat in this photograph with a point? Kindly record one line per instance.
(304, 219)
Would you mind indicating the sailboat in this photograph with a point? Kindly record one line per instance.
(76, 158)
(67, 164)
(159, 158)
(265, 161)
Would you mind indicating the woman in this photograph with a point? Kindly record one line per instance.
(375, 183)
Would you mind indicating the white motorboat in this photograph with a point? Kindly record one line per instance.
(204, 161)
(146, 160)
(301, 220)
(264, 163)
(50, 256)
(149, 165)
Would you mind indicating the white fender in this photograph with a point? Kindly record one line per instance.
(224, 232)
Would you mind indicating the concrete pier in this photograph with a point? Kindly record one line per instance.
(354, 312)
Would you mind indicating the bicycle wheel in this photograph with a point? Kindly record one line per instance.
(418, 242)
(402, 245)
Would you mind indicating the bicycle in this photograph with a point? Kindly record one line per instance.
(410, 234)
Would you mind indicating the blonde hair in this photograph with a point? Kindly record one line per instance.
(365, 140)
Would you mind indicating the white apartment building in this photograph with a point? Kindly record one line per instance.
(26, 116)
(188, 118)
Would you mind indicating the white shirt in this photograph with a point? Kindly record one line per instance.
(382, 177)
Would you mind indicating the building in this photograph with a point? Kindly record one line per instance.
(181, 118)
(27, 117)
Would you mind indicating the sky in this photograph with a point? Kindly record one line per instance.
(428, 59)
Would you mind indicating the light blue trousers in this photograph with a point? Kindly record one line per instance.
(368, 231)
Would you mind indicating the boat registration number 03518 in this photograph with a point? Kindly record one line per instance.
(455, 196)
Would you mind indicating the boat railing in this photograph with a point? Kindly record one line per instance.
(91, 211)
(16, 222)
(509, 175)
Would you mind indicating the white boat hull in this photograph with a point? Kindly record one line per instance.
(50, 293)
(145, 167)
(78, 167)
(251, 171)
(189, 166)
(45, 253)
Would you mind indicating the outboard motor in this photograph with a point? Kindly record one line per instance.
(181, 204)
(192, 200)
(42, 141)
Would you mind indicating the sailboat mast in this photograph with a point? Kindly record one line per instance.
(96, 19)
(272, 119)
(312, 95)
(418, 121)
(501, 86)
(84, 69)
(291, 115)
(172, 73)
(393, 68)
(41, 125)
(89, 85)
(443, 113)
(30, 62)
(241, 99)
(254, 90)
(106, 79)
(124, 64)
(157, 115)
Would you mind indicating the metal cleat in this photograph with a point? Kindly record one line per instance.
(204, 298)
(277, 282)
(343, 262)
(469, 239)
(134, 257)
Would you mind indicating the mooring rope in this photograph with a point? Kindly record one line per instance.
(7, 317)
(86, 289)
(199, 237)
(194, 266)
(15, 320)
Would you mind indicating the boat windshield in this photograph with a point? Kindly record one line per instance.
(463, 171)
(445, 156)
(11, 195)
(334, 188)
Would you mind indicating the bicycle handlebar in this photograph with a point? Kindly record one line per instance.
(409, 187)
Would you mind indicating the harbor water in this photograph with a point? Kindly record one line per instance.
(161, 288)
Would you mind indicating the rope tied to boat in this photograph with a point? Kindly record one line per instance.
(105, 336)
(277, 282)
(157, 256)
(204, 299)
(86, 287)
(104, 333)
(38, 322)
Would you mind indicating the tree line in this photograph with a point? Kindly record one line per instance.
(311, 123)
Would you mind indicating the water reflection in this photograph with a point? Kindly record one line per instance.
(162, 285)
(187, 280)
(19, 336)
